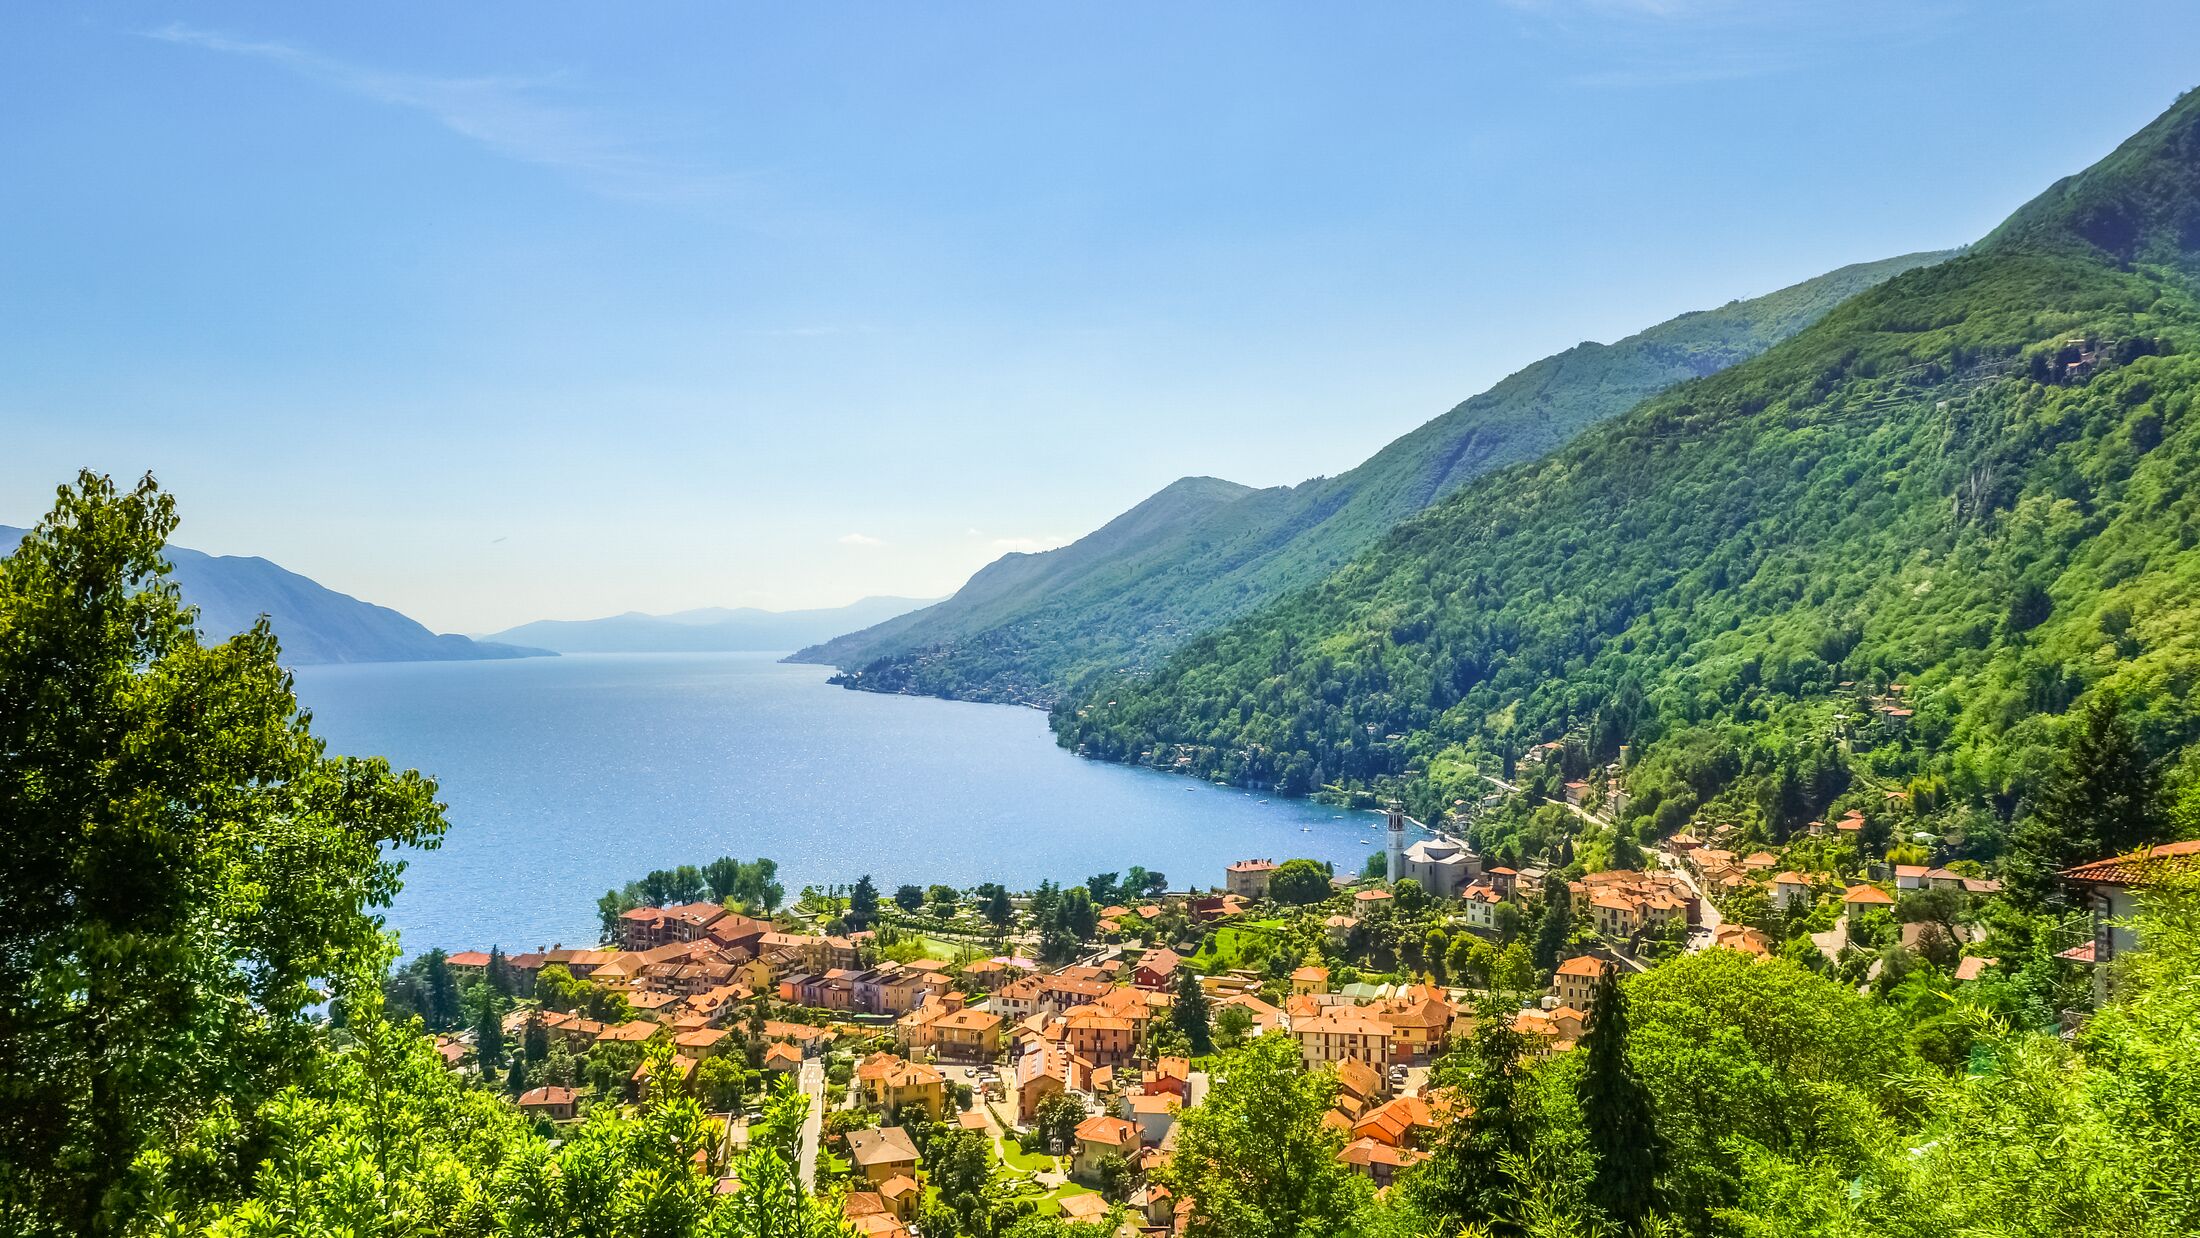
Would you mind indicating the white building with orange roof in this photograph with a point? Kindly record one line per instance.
(1791, 892)
(1859, 899)
(1339, 1032)
(1478, 905)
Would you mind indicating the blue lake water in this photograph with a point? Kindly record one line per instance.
(568, 776)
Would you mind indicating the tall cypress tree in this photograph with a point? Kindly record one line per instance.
(1190, 1012)
(1615, 1108)
(489, 1030)
(2103, 798)
(1557, 926)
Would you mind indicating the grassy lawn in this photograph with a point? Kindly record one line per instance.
(1024, 1162)
(947, 951)
(1234, 946)
(1050, 1204)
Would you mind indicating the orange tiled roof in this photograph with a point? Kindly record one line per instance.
(2134, 868)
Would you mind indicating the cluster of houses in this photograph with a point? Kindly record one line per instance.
(692, 970)
(1080, 1031)
(1722, 875)
(1083, 1030)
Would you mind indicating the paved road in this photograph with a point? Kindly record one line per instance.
(1707, 927)
(1575, 809)
(813, 1127)
(1834, 940)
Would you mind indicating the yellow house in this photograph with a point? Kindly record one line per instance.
(1341, 1032)
(1097, 1138)
(883, 1155)
(1576, 981)
(890, 1084)
(966, 1035)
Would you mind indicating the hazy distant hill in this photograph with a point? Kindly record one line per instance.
(315, 624)
(711, 630)
(1205, 551)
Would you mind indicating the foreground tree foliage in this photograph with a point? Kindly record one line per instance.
(194, 872)
(183, 860)
(1256, 1157)
(187, 874)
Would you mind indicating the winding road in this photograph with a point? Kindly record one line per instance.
(812, 1082)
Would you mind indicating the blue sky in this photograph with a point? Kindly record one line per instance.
(494, 312)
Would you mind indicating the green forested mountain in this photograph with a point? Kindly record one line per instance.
(1203, 551)
(1975, 480)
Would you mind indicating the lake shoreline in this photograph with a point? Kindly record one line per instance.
(569, 776)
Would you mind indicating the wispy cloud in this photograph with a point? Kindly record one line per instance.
(1019, 545)
(861, 539)
(1651, 43)
(526, 119)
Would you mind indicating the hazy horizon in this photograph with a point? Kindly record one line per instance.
(496, 315)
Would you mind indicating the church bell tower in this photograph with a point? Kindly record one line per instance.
(1397, 842)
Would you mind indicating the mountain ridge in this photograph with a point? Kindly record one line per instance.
(1126, 605)
(316, 625)
(1881, 560)
(710, 629)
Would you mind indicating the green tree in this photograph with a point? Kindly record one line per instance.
(1626, 849)
(1557, 926)
(184, 860)
(1616, 1113)
(1232, 1026)
(1409, 895)
(534, 1041)
(862, 904)
(499, 972)
(1055, 1121)
(994, 905)
(2103, 798)
(488, 1029)
(609, 909)
(1299, 882)
(723, 876)
(723, 1082)
(1189, 1013)
(1256, 1159)
(909, 898)
(1472, 1174)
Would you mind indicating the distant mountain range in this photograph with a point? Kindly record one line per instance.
(1205, 551)
(710, 630)
(315, 624)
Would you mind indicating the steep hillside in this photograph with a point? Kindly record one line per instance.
(999, 590)
(713, 630)
(1975, 481)
(1022, 634)
(315, 624)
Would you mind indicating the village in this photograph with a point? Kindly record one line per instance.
(1066, 1038)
